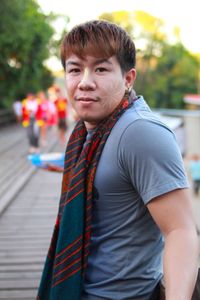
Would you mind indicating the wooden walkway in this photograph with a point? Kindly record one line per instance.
(25, 232)
(26, 225)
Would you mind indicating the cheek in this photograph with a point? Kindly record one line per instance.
(114, 91)
(70, 88)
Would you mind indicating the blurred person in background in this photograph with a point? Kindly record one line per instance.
(17, 108)
(44, 107)
(52, 120)
(194, 166)
(61, 107)
(32, 121)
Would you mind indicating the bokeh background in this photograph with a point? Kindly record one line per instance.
(165, 34)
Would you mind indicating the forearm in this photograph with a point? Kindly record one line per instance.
(180, 264)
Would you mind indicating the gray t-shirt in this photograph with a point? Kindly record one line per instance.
(140, 160)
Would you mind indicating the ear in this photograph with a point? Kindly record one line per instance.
(130, 77)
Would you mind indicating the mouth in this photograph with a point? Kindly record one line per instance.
(86, 99)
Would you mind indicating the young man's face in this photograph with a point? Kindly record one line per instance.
(95, 86)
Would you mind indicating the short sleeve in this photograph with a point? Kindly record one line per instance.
(150, 158)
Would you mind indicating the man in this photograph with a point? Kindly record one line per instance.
(124, 186)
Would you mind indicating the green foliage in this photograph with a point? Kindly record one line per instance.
(165, 72)
(63, 21)
(174, 75)
(24, 43)
(122, 18)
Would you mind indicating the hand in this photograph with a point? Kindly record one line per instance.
(53, 168)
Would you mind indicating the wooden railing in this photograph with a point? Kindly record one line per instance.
(6, 117)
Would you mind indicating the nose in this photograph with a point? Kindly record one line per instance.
(87, 81)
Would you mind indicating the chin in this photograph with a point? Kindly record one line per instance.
(91, 120)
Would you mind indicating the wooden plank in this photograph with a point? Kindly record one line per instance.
(25, 247)
(21, 268)
(21, 260)
(23, 275)
(24, 237)
(19, 284)
(17, 254)
(18, 294)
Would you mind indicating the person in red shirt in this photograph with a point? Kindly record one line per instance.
(44, 106)
(61, 106)
(32, 120)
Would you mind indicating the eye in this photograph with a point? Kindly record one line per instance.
(101, 69)
(74, 70)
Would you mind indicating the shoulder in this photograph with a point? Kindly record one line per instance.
(140, 118)
(139, 129)
(146, 150)
(147, 134)
(149, 144)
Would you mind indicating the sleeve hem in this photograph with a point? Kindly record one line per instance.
(163, 189)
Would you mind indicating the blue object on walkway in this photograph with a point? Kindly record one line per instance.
(43, 160)
(195, 169)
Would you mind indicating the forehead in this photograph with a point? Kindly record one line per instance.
(73, 59)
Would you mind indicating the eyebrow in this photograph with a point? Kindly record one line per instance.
(96, 62)
(102, 60)
(73, 63)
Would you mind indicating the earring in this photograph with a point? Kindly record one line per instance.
(128, 91)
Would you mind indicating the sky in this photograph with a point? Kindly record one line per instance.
(184, 14)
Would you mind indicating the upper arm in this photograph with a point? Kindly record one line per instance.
(172, 211)
(151, 159)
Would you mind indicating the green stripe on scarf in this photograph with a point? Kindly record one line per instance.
(63, 272)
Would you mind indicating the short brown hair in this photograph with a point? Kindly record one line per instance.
(99, 38)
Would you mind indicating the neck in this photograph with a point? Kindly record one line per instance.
(90, 125)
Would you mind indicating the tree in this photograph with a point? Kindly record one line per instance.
(24, 42)
(165, 71)
(122, 18)
(174, 74)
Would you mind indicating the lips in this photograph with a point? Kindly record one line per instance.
(86, 99)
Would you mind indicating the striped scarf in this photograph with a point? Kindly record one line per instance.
(63, 273)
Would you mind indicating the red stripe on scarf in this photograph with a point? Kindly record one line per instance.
(72, 150)
(73, 197)
(66, 277)
(66, 258)
(69, 246)
(66, 268)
